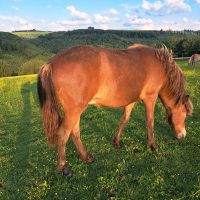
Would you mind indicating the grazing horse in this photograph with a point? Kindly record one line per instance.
(194, 58)
(114, 78)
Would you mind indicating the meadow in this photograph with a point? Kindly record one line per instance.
(27, 165)
(30, 34)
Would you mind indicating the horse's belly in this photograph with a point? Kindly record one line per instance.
(115, 100)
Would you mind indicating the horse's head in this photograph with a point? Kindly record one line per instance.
(191, 62)
(176, 117)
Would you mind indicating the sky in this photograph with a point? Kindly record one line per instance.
(63, 15)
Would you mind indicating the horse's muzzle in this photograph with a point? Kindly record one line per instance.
(181, 135)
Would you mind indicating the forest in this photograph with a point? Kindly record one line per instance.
(25, 52)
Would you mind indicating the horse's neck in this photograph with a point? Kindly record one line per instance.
(167, 101)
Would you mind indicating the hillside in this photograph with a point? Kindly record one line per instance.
(115, 39)
(25, 52)
(20, 56)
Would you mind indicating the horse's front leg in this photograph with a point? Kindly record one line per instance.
(150, 102)
(123, 122)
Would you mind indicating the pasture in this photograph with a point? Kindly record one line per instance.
(134, 172)
(30, 34)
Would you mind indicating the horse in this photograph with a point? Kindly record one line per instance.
(83, 75)
(193, 59)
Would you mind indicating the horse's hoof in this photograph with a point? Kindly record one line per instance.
(90, 159)
(66, 171)
(154, 147)
(116, 143)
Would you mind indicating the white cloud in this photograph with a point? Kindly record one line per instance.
(111, 11)
(196, 23)
(165, 7)
(74, 22)
(42, 20)
(16, 19)
(139, 22)
(135, 20)
(128, 8)
(54, 26)
(77, 13)
(157, 5)
(78, 17)
(177, 25)
(11, 23)
(198, 1)
(104, 26)
(177, 6)
(185, 19)
(98, 18)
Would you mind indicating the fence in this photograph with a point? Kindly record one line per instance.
(182, 58)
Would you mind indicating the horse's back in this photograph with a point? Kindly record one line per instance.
(107, 77)
(127, 75)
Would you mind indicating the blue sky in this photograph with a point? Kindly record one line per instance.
(59, 15)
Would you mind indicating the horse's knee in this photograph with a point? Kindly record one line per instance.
(75, 135)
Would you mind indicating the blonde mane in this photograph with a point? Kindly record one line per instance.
(175, 79)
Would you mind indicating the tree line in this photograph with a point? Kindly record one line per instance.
(25, 56)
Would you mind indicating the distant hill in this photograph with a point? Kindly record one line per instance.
(20, 56)
(24, 52)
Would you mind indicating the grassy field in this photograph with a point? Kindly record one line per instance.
(27, 165)
(30, 35)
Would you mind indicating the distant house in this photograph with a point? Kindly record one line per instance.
(90, 28)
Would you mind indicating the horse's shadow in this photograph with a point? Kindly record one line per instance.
(23, 136)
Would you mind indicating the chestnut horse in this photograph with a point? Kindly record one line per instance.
(194, 58)
(114, 78)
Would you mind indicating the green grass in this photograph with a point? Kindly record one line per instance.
(30, 35)
(27, 165)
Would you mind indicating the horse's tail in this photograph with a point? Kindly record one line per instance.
(50, 109)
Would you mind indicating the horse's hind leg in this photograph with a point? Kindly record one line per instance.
(123, 122)
(79, 145)
(63, 133)
(63, 136)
